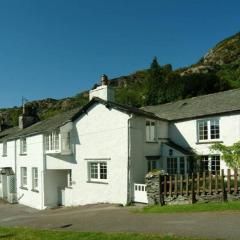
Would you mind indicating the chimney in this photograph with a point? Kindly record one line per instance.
(104, 91)
(28, 117)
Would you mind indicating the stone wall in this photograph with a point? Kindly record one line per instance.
(154, 197)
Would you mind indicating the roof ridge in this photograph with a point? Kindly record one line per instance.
(188, 99)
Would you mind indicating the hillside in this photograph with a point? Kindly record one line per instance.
(217, 70)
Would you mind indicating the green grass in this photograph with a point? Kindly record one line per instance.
(30, 234)
(198, 207)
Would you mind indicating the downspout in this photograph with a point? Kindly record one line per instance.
(42, 173)
(129, 187)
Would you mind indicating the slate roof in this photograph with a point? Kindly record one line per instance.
(60, 119)
(196, 107)
(179, 148)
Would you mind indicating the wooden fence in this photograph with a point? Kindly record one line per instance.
(200, 183)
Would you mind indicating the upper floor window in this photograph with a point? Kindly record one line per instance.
(4, 149)
(52, 141)
(208, 129)
(150, 131)
(23, 146)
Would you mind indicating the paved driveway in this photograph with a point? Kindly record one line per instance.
(111, 218)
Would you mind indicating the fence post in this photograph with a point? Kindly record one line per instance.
(223, 186)
(210, 182)
(204, 183)
(228, 181)
(198, 183)
(187, 184)
(235, 181)
(216, 182)
(193, 189)
(181, 184)
(165, 185)
(161, 200)
(175, 184)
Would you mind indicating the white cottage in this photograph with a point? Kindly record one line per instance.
(96, 153)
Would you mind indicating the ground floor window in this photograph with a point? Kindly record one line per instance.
(34, 178)
(152, 164)
(177, 165)
(97, 171)
(23, 176)
(70, 178)
(210, 163)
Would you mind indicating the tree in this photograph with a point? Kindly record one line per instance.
(230, 154)
(154, 83)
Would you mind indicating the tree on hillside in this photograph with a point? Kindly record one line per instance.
(230, 154)
(154, 83)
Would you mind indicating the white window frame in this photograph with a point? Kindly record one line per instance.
(53, 142)
(23, 146)
(98, 165)
(150, 127)
(209, 159)
(23, 177)
(35, 178)
(4, 149)
(209, 137)
(70, 181)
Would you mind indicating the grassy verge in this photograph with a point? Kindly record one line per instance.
(199, 207)
(30, 234)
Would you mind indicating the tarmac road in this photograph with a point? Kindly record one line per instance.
(112, 218)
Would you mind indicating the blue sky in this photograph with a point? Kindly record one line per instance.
(57, 48)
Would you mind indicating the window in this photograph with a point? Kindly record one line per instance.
(150, 131)
(52, 142)
(204, 163)
(23, 176)
(97, 171)
(152, 164)
(70, 178)
(182, 165)
(65, 143)
(208, 129)
(172, 165)
(215, 164)
(203, 130)
(23, 146)
(34, 178)
(210, 163)
(214, 127)
(4, 149)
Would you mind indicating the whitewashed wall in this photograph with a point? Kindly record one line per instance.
(102, 133)
(184, 133)
(9, 160)
(33, 158)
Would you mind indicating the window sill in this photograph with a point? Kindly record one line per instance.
(209, 142)
(24, 188)
(97, 182)
(35, 190)
(152, 141)
(23, 154)
(53, 152)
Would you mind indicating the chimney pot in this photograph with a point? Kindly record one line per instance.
(104, 79)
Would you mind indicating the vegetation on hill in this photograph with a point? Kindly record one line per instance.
(218, 70)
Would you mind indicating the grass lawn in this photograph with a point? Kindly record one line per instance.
(30, 234)
(198, 207)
